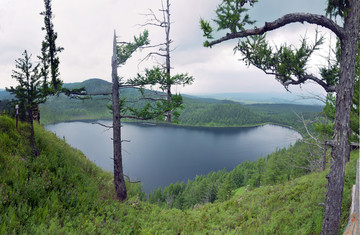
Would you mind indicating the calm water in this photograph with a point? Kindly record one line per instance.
(158, 155)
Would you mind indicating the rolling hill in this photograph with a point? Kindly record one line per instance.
(197, 111)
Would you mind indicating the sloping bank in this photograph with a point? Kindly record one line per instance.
(62, 192)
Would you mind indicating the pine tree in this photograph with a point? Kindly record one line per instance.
(50, 51)
(28, 93)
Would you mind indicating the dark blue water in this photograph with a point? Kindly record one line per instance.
(159, 155)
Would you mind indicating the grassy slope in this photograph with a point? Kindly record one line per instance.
(62, 192)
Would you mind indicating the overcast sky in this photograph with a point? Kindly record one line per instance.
(85, 29)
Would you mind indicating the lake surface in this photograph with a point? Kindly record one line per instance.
(158, 155)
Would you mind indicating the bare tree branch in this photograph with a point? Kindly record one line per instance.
(153, 24)
(127, 86)
(152, 99)
(103, 125)
(314, 96)
(132, 182)
(151, 46)
(307, 130)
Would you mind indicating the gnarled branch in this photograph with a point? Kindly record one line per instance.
(282, 21)
(328, 88)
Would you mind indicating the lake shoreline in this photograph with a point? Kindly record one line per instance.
(174, 124)
(174, 152)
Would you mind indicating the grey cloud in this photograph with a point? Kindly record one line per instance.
(85, 29)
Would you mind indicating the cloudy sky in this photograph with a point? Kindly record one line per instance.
(85, 29)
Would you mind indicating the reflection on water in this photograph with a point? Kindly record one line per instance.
(160, 154)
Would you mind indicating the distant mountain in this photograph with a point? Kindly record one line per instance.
(4, 95)
(269, 98)
(92, 86)
(212, 110)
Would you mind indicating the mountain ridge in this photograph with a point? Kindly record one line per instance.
(98, 85)
(198, 111)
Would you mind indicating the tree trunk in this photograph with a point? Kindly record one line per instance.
(32, 133)
(324, 156)
(340, 145)
(119, 181)
(168, 65)
(169, 113)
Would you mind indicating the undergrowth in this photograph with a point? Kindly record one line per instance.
(62, 192)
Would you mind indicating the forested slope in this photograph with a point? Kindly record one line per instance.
(61, 192)
(196, 111)
(220, 113)
(210, 112)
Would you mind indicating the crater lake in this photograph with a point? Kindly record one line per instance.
(158, 155)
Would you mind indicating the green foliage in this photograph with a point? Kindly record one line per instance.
(159, 77)
(284, 62)
(203, 112)
(206, 28)
(281, 166)
(230, 15)
(28, 93)
(92, 86)
(285, 114)
(148, 107)
(49, 52)
(63, 192)
(331, 75)
(223, 114)
(125, 50)
(327, 126)
(195, 111)
(6, 107)
(336, 8)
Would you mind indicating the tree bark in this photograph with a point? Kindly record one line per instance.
(340, 145)
(168, 65)
(324, 156)
(119, 181)
(35, 151)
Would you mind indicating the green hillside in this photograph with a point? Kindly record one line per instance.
(210, 112)
(93, 86)
(199, 112)
(61, 192)
(62, 108)
(196, 112)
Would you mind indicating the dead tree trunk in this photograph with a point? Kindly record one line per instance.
(119, 181)
(340, 145)
(168, 65)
